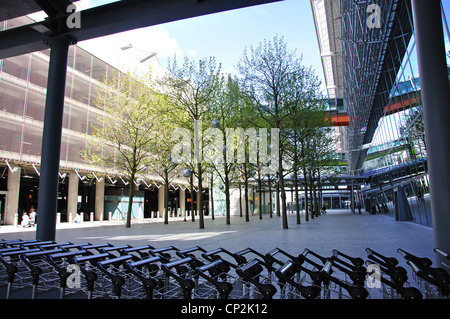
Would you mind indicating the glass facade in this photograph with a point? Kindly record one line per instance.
(376, 69)
(396, 158)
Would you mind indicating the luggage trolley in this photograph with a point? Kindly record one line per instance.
(257, 283)
(397, 287)
(17, 273)
(179, 283)
(443, 253)
(43, 275)
(152, 278)
(219, 279)
(433, 282)
(398, 290)
(64, 265)
(294, 289)
(93, 282)
(123, 282)
(353, 291)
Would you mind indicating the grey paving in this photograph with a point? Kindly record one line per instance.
(339, 229)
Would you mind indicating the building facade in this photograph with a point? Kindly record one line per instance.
(23, 81)
(369, 58)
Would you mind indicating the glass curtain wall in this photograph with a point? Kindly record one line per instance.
(23, 81)
(397, 155)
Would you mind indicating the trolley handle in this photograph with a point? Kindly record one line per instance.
(131, 249)
(186, 252)
(91, 258)
(406, 292)
(119, 249)
(441, 252)
(117, 260)
(437, 276)
(389, 262)
(213, 255)
(144, 262)
(285, 274)
(223, 287)
(356, 261)
(356, 292)
(269, 257)
(306, 251)
(52, 246)
(186, 284)
(35, 244)
(419, 261)
(117, 280)
(398, 274)
(251, 270)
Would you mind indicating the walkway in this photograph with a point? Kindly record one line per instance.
(339, 229)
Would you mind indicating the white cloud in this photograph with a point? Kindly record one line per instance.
(192, 52)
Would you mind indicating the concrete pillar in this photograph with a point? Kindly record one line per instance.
(51, 139)
(99, 199)
(436, 112)
(72, 197)
(161, 201)
(182, 203)
(12, 205)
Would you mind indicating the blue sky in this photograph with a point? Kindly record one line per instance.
(223, 35)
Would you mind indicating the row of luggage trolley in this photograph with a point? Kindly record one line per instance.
(107, 271)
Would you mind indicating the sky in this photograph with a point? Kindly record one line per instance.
(222, 35)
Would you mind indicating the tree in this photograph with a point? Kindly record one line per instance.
(267, 72)
(191, 88)
(225, 111)
(161, 161)
(123, 137)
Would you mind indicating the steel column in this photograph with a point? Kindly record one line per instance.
(51, 139)
(436, 110)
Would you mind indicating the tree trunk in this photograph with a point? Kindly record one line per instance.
(283, 193)
(306, 195)
(130, 201)
(200, 201)
(247, 213)
(166, 198)
(297, 201)
(193, 195)
(211, 195)
(270, 196)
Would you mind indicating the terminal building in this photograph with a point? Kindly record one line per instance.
(384, 64)
(23, 81)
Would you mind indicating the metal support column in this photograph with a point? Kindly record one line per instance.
(436, 109)
(51, 139)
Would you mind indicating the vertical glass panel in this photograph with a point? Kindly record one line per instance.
(98, 69)
(74, 147)
(35, 105)
(17, 66)
(83, 61)
(10, 136)
(12, 98)
(80, 89)
(32, 140)
(78, 119)
(38, 71)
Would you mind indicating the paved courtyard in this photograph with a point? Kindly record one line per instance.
(339, 229)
